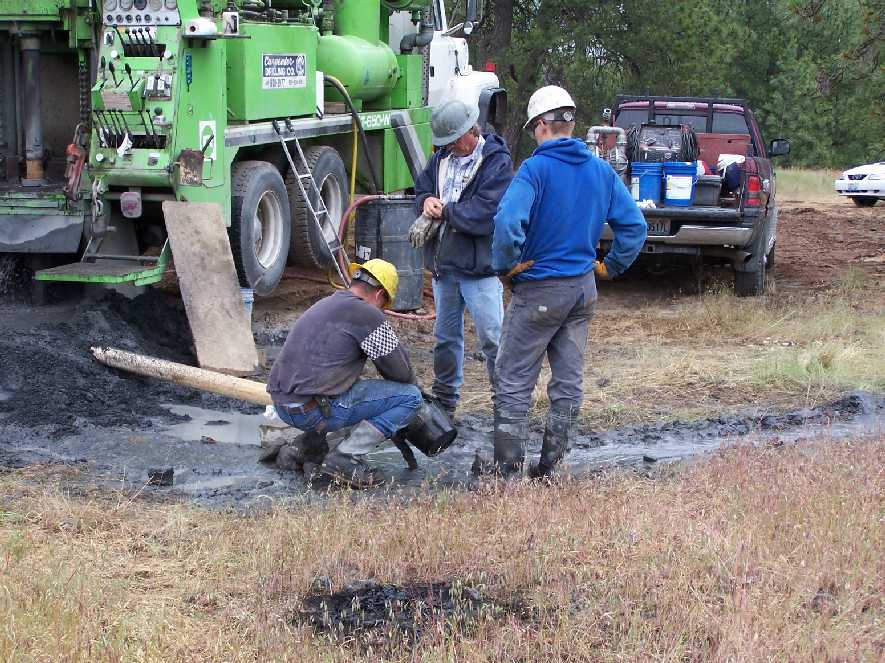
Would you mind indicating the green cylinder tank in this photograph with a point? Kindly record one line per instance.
(367, 70)
(355, 54)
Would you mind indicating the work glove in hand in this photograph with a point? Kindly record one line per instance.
(601, 271)
(507, 279)
(422, 230)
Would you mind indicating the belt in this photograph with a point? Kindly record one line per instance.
(303, 408)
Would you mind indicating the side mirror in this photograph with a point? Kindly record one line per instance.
(779, 147)
(470, 19)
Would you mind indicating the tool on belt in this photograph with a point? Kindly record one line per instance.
(507, 279)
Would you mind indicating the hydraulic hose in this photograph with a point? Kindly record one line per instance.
(334, 82)
(345, 268)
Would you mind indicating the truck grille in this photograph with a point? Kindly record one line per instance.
(857, 177)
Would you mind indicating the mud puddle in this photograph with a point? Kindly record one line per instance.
(218, 470)
(213, 426)
(369, 614)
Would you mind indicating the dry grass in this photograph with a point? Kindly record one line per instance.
(711, 353)
(755, 554)
(806, 185)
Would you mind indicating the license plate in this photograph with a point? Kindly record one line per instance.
(852, 186)
(658, 227)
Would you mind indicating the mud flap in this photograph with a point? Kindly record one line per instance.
(209, 287)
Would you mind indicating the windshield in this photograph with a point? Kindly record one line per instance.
(723, 123)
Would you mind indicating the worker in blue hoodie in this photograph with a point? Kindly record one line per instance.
(546, 231)
(456, 197)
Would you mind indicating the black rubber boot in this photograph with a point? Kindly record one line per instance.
(557, 441)
(345, 462)
(509, 437)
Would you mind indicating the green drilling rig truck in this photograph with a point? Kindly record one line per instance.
(279, 111)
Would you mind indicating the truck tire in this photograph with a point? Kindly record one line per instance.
(260, 230)
(750, 284)
(309, 247)
(863, 201)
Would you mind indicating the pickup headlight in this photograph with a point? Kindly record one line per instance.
(874, 176)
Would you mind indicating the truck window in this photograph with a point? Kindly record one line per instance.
(730, 123)
(627, 118)
(637, 116)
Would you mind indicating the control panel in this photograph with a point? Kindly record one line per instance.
(140, 12)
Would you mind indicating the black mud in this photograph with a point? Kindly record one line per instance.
(50, 381)
(59, 406)
(373, 615)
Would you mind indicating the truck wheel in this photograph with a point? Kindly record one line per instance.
(750, 284)
(260, 229)
(309, 246)
(863, 202)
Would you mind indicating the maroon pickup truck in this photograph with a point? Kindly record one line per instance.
(737, 225)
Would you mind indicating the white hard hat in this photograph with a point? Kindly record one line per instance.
(546, 99)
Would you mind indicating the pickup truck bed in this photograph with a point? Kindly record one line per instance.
(741, 230)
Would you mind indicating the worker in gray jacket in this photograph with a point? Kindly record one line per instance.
(315, 382)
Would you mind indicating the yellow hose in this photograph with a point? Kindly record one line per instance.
(356, 145)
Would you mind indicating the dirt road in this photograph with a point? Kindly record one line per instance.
(676, 367)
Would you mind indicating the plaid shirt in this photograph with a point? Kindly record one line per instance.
(458, 173)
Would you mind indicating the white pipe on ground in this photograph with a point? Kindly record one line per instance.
(188, 376)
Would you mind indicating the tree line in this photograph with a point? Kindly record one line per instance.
(812, 70)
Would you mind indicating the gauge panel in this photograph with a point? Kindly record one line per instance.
(140, 12)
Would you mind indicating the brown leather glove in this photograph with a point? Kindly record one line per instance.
(507, 279)
(601, 270)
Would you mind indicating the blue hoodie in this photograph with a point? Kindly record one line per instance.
(555, 209)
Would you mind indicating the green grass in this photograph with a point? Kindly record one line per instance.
(804, 183)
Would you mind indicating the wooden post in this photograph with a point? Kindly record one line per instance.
(189, 376)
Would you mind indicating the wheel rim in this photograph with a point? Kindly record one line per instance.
(267, 239)
(332, 198)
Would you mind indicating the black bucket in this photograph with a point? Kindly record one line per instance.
(431, 432)
(382, 231)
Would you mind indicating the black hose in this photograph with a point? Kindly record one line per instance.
(334, 82)
(689, 149)
(633, 143)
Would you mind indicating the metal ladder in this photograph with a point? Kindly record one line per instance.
(320, 212)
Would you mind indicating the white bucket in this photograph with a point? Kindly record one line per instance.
(679, 187)
(248, 296)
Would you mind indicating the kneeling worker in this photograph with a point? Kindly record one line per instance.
(315, 385)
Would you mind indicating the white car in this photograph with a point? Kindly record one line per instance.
(864, 184)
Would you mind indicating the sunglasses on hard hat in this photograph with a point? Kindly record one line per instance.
(559, 116)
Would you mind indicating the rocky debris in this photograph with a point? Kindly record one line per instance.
(373, 613)
(161, 476)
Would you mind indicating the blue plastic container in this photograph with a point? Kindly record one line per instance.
(646, 180)
(679, 181)
(248, 296)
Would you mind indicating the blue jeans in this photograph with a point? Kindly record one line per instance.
(483, 297)
(387, 405)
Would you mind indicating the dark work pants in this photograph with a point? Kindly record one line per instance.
(544, 317)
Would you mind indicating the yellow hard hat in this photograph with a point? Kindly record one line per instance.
(382, 272)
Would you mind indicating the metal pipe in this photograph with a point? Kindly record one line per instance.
(30, 47)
